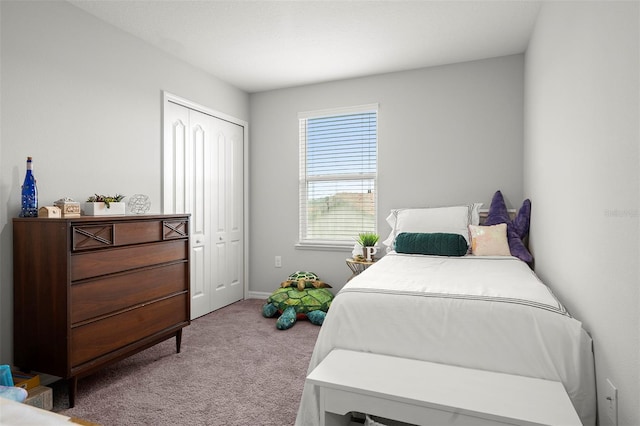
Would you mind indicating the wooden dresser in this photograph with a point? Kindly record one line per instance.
(90, 291)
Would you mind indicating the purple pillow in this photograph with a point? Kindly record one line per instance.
(522, 219)
(517, 229)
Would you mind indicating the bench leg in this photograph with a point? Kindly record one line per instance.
(333, 419)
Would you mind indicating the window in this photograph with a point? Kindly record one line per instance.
(338, 173)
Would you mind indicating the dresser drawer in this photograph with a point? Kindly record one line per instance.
(101, 337)
(92, 235)
(137, 232)
(110, 234)
(102, 262)
(95, 298)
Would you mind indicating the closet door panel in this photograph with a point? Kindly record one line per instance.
(198, 201)
(176, 132)
(229, 262)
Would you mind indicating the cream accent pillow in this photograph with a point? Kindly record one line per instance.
(489, 240)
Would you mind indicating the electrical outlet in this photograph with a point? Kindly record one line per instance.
(611, 402)
(278, 261)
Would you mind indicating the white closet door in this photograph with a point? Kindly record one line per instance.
(229, 215)
(204, 176)
(197, 201)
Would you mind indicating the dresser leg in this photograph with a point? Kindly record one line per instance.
(72, 388)
(178, 340)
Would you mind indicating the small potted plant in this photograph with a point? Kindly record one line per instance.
(104, 205)
(368, 241)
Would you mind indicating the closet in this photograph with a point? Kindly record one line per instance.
(204, 175)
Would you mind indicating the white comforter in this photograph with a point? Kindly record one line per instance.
(486, 313)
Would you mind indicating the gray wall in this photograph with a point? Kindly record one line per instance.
(84, 99)
(581, 171)
(450, 134)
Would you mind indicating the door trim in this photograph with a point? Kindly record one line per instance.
(169, 97)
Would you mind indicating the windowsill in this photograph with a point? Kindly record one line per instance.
(346, 246)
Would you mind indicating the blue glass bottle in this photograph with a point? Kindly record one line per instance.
(29, 194)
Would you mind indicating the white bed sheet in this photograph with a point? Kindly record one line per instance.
(486, 313)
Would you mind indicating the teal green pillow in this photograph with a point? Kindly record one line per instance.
(437, 244)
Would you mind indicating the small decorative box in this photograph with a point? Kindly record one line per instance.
(49, 211)
(68, 207)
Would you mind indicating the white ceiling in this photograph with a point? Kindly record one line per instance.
(264, 45)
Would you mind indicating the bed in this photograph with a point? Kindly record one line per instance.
(478, 311)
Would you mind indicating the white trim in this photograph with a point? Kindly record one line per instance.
(257, 295)
(338, 111)
(169, 97)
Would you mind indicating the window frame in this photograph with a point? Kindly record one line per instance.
(329, 244)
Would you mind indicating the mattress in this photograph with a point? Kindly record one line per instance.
(488, 313)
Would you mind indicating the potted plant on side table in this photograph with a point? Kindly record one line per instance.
(104, 205)
(368, 241)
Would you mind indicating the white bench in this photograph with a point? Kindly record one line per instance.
(426, 393)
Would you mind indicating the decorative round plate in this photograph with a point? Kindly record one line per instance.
(139, 204)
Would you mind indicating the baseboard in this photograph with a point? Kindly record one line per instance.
(256, 295)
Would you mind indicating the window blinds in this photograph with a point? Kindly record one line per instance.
(338, 171)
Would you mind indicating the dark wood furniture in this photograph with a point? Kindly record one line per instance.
(90, 291)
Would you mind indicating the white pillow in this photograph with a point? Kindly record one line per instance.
(452, 220)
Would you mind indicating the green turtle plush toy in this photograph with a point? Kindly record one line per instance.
(302, 295)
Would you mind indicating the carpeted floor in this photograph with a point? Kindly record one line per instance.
(235, 368)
